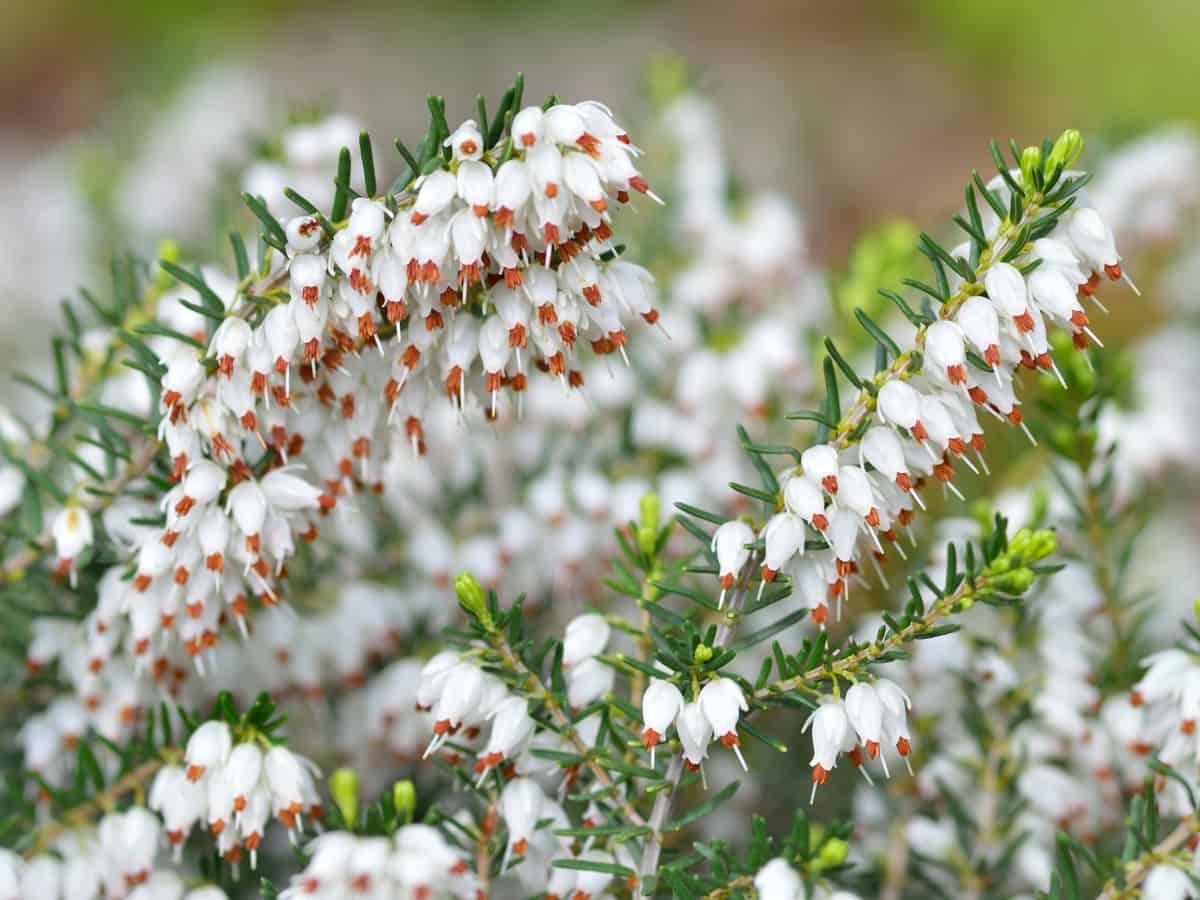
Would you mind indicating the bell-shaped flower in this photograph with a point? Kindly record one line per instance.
(511, 727)
(946, 351)
(820, 463)
(783, 536)
(72, 531)
(1094, 241)
(864, 709)
(527, 126)
(722, 702)
(899, 404)
(829, 726)
(729, 544)
(895, 715)
(777, 880)
(588, 681)
(980, 325)
(521, 804)
(661, 704)
(1006, 288)
(695, 733)
(208, 748)
(585, 636)
(438, 189)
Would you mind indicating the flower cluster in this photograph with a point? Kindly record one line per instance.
(234, 788)
(865, 484)
(416, 861)
(115, 861)
(496, 247)
(872, 715)
(712, 715)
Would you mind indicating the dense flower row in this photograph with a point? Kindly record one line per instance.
(498, 260)
(858, 494)
(416, 861)
(114, 861)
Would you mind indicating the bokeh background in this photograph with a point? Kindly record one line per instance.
(858, 109)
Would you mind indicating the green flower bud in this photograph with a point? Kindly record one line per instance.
(1018, 581)
(404, 798)
(472, 598)
(343, 787)
(647, 532)
(1044, 542)
(1196, 608)
(1067, 150)
(999, 565)
(702, 654)
(1019, 541)
(831, 854)
(1031, 160)
(651, 509)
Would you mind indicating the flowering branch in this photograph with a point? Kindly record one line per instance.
(102, 802)
(662, 803)
(536, 689)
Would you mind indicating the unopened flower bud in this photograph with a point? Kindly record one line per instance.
(343, 787)
(471, 597)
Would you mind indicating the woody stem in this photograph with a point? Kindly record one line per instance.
(566, 728)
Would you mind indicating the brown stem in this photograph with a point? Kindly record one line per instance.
(102, 802)
(564, 725)
(855, 661)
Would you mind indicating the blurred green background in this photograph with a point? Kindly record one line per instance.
(859, 109)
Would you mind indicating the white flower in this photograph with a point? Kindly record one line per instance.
(802, 496)
(230, 342)
(289, 493)
(180, 801)
(287, 777)
(242, 771)
(1094, 241)
(591, 883)
(820, 463)
(695, 732)
(783, 537)
(980, 325)
(41, 878)
(511, 727)
(830, 730)
(895, 715)
(588, 681)
(208, 748)
(722, 701)
(521, 805)
(944, 345)
(899, 404)
(585, 636)
(466, 143)
(436, 192)
(729, 543)
(1167, 882)
(777, 880)
(460, 695)
(527, 126)
(72, 532)
(661, 703)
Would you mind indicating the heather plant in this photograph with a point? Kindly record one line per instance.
(457, 536)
